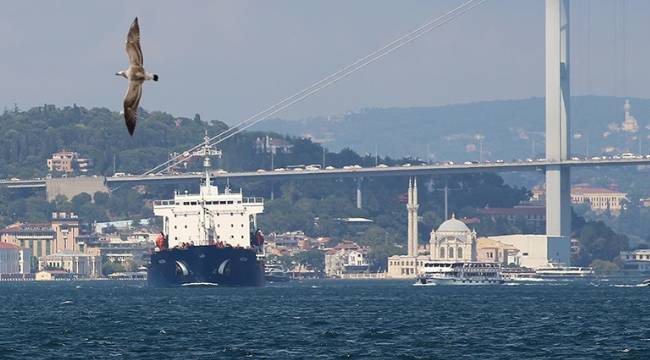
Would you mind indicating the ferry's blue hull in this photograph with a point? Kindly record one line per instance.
(206, 264)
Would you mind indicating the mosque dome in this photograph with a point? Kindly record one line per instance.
(453, 225)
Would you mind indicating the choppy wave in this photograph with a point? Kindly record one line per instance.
(324, 320)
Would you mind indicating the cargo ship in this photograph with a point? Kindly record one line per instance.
(208, 238)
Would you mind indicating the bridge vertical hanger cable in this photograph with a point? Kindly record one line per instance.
(331, 79)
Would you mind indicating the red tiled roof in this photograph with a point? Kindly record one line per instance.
(4, 245)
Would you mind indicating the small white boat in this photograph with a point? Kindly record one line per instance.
(200, 284)
(565, 272)
(460, 273)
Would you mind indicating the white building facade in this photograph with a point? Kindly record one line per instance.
(537, 251)
(636, 260)
(74, 263)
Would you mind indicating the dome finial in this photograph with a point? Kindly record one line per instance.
(453, 215)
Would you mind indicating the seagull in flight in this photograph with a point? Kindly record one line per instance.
(136, 76)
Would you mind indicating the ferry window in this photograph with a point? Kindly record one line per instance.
(232, 236)
(242, 214)
(193, 203)
(174, 226)
(186, 226)
(242, 225)
(238, 202)
(525, 254)
(218, 225)
(229, 201)
(232, 225)
(222, 202)
(231, 214)
(186, 203)
(218, 237)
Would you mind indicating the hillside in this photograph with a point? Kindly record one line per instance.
(508, 129)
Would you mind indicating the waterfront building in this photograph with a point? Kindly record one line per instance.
(636, 260)
(9, 258)
(45, 239)
(51, 275)
(346, 258)
(67, 162)
(84, 265)
(599, 199)
(490, 250)
(534, 251)
(39, 238)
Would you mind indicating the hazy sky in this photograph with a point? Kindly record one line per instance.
(229, 59)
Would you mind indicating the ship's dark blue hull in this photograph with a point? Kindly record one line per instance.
(206, 264)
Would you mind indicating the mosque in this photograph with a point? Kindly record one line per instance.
(455, 241)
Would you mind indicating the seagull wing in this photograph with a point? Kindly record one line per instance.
(133, 44)
(131, 102)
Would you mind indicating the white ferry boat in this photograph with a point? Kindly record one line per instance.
(565, 272)
(459, 273)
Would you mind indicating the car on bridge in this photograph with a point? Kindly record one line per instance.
(382, 166)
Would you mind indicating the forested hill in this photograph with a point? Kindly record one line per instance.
(507, 129)
(30, 137)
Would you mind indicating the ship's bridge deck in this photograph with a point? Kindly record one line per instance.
(194, 201)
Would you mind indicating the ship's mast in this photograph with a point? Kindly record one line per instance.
(206, 151)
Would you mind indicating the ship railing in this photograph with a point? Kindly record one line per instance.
(253, 200)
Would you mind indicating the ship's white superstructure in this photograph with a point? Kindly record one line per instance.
(211, 216)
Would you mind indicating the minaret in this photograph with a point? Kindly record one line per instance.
(414, 207)
(409, 226)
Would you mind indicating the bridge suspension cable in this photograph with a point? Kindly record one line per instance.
(327, 81)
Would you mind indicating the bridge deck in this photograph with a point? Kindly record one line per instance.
(352, 172)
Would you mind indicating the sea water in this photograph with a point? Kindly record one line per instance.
(324, 319)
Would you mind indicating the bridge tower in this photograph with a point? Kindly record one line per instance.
(558, 191)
